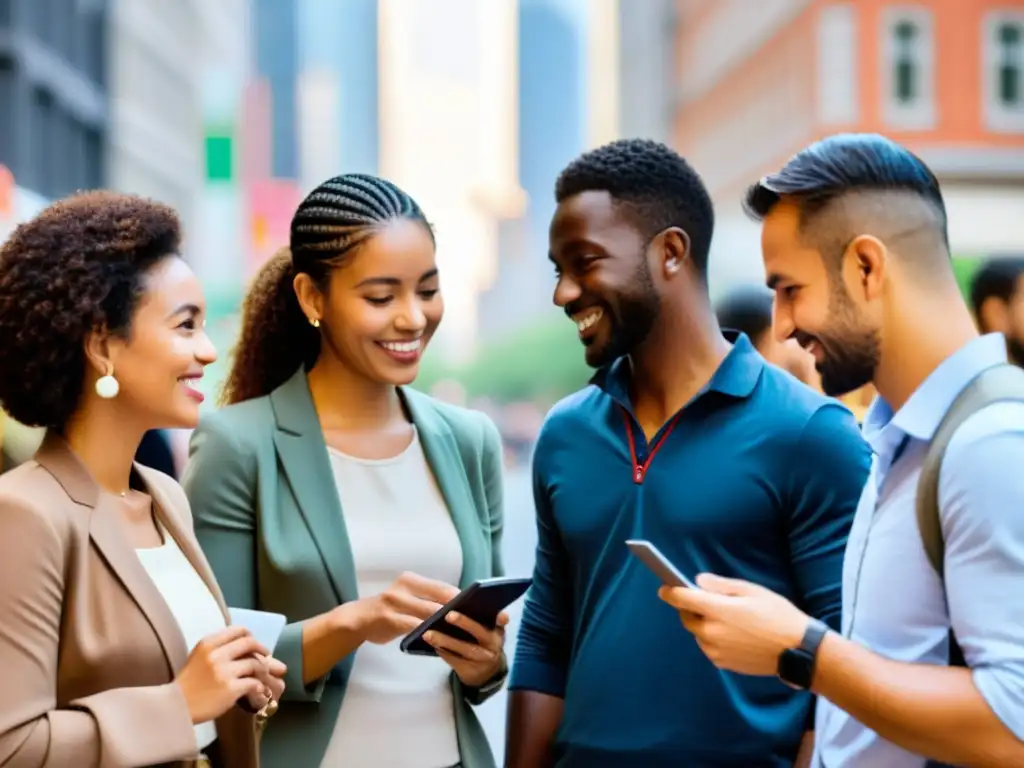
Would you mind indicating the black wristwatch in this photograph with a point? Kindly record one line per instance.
(796, 665)
(480, 694)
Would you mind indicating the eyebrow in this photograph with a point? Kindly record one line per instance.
(191, 309)
(392, 281)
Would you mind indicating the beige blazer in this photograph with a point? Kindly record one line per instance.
(88, 647)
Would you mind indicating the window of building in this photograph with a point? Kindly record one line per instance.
(908, 68)
(1003, 71)
(1009, 65)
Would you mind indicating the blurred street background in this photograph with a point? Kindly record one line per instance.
(231, 110)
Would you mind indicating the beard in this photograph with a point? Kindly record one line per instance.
(630, 316)
(849, 353)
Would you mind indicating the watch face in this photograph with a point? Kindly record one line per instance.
(795, 667)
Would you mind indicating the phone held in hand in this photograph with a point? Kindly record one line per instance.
(660, 565)
(481, 601)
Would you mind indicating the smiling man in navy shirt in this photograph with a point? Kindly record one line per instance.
(685, 437)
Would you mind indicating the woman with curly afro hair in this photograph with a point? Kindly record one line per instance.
(331, 492)
(115, 644)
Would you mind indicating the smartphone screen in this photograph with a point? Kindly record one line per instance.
(660, 565)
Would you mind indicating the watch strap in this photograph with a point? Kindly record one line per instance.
(479, 694)
(816, 631)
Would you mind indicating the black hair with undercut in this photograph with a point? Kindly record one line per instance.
(846, 162)
(78, 267)
(332, 222)
(996, 279)
(844, 166)
(657, 187)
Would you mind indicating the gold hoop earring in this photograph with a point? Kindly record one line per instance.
(315, 323)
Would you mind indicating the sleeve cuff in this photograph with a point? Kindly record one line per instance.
(289, 650)
(538, 676)
(1001, 688)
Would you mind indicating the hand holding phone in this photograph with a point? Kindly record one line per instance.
(481, 601)
(660, 565)
(401, 607)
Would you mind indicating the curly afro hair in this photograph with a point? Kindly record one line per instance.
(76, 267)
(657, 187)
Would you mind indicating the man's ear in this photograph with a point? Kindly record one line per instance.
(866, 262)
(675, 251)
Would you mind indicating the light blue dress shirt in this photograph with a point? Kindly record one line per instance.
(893, 601)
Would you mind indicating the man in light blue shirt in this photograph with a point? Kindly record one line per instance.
(855, 247)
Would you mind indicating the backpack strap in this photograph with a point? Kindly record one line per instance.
(1000, 383)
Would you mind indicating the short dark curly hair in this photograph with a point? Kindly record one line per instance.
(76, 267)
(655, 184)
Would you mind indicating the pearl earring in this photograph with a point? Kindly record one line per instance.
(107, 386)
(315, 323)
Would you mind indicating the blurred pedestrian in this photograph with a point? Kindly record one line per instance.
(114, 643)
(997, 298)
(331, 491)
(748, 310)
(685, 437)
(930, 660)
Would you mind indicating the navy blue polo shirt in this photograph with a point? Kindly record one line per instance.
(757, 478)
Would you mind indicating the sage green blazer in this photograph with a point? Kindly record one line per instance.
(268, 517)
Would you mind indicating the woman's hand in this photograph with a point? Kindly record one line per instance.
(221, 669)
(271, 675)
(473, 663)
(402, 607)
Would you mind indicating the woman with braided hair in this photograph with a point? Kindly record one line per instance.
(328, 491)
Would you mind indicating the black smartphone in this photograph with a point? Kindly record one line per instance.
(481, 601)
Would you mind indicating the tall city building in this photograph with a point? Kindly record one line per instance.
(221, 245)
(154, 145)
(552, 128)
(646, 69)
(761, 80)
(336, 94)
(590, 71)
(447, 111)
(54, 113)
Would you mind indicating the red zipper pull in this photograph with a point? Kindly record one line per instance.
(638, 474)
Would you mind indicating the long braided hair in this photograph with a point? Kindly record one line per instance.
(334, 219)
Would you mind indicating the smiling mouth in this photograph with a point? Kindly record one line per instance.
(402, 347)
(191, 384)
(585, 320)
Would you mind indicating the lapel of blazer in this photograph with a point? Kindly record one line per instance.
(174, 521)
(303, 452)
(105, 530)
(441, 448)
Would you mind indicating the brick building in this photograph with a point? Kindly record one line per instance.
(759, 80)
